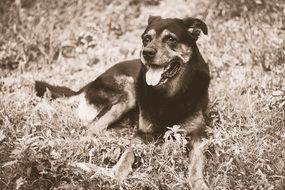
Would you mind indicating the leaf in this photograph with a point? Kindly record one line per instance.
(167, 135)
(170, 128)
(48, 133)
(19, 182)
(92, 153)
(69, 43)
(124, 165)
(10, 163)
(175, 128)
(117, 153)
(279, 164)
(277, 93)
(55, 155)
(177, 136)
(2, 136)
(87, 167)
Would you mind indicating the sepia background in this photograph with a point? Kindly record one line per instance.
(71, 42)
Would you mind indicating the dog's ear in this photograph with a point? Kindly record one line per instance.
(195, 26)
(152, 18)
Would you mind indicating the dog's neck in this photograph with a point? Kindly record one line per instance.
(164, 108)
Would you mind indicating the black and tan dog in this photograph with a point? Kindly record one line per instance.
(169, 84)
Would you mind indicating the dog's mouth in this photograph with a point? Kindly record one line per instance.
(158, 75)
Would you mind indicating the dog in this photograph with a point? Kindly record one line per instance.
(168, 84)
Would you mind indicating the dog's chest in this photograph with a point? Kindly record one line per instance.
(162, 110)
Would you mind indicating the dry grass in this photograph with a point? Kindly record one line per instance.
(72, 42)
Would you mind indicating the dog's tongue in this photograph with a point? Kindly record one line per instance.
(153, 75)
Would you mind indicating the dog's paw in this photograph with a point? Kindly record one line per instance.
(93, 131)
(96, 129)
(199, 184)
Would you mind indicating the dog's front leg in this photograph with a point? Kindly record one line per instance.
(197, 163)
(195, 127)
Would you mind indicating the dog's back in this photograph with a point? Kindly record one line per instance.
(104, 100)
(127, 68)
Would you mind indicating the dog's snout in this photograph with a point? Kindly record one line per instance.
(149, 53)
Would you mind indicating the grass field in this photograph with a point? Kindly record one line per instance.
(71, 42)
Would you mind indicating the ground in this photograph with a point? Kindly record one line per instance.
(72, 42)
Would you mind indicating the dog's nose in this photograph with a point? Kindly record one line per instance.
(149, 53)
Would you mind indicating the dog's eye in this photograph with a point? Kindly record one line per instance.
(171, 39)
(146, 39)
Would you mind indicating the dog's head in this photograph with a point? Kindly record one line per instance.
(168, 46)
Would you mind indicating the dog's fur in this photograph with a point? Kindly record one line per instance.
(169, 84)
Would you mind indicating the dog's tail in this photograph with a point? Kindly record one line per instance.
(56, 91)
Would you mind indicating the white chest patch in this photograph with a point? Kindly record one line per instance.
(86, 111)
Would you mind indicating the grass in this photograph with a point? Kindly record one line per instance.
(72, 42)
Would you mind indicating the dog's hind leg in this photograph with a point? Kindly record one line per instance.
(112, 112)
(109, 115)
(86, 111)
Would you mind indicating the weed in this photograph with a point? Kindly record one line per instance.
(72, 42)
